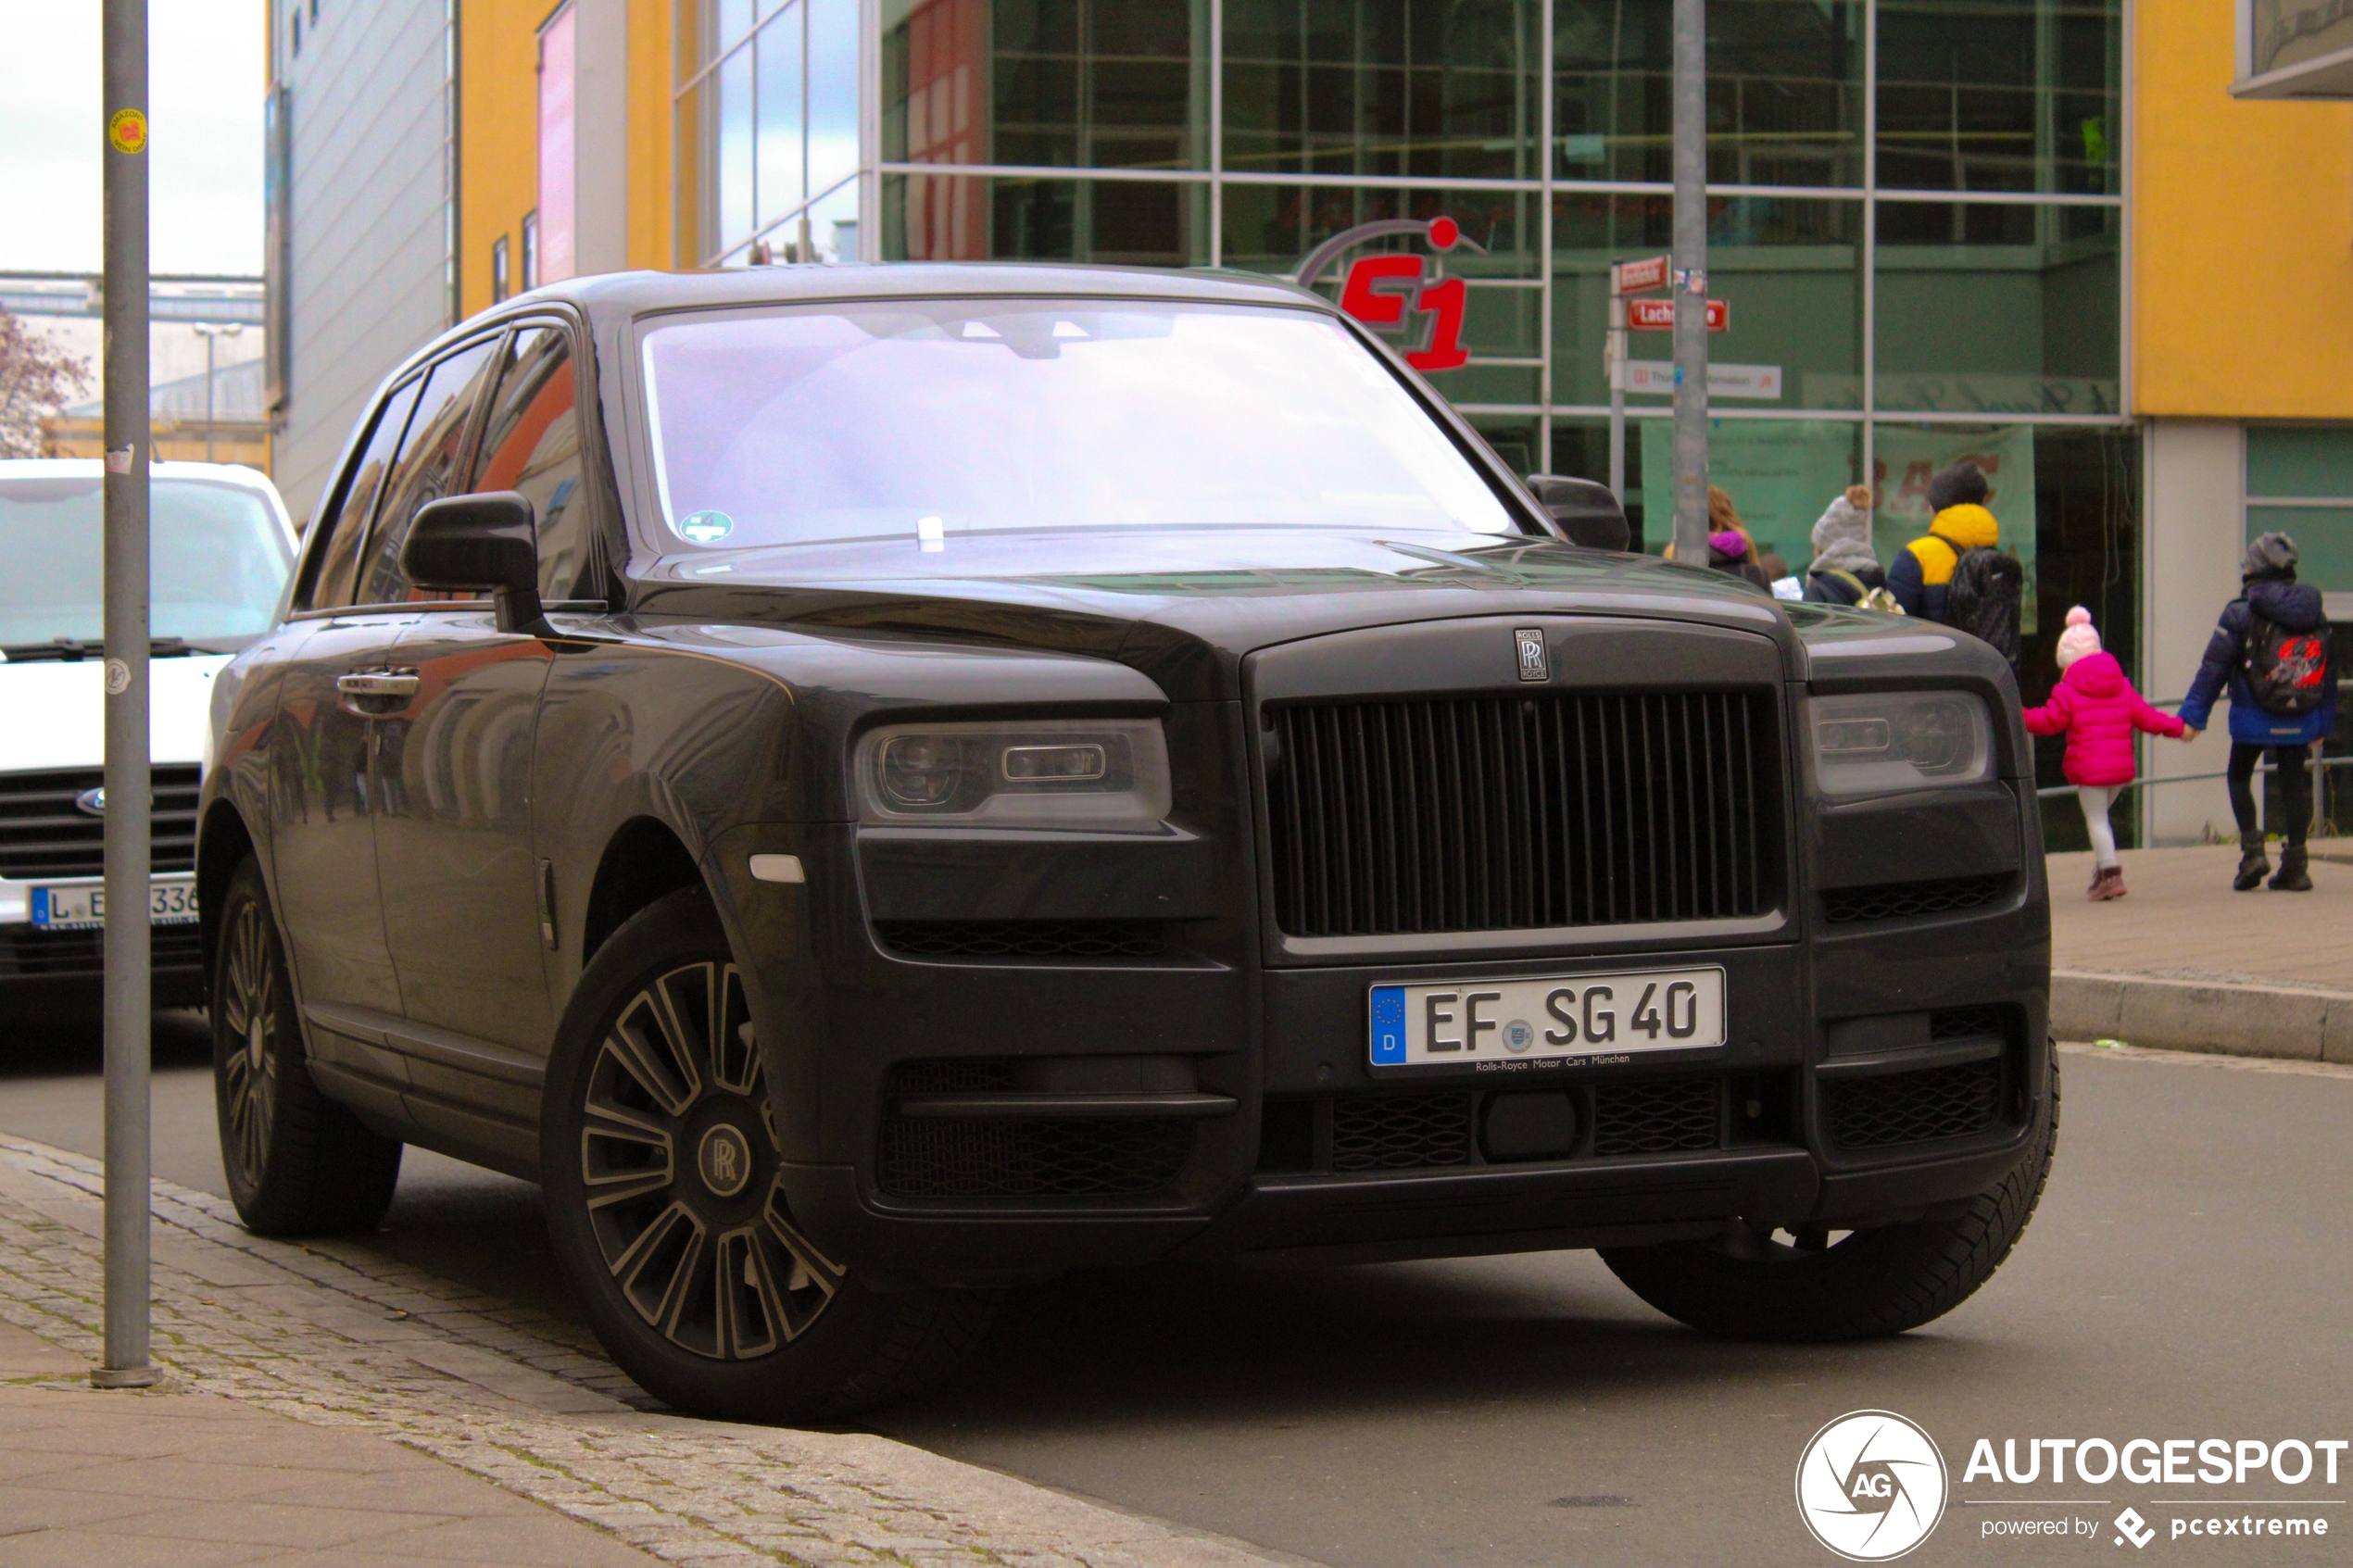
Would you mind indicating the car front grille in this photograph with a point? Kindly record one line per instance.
(44, 834)
(1845, 906)
(1900, 1108)
(1024, 938)
(82, 954)
(1492, 813)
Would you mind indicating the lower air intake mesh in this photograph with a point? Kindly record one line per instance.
(1943, 1102)
(1024, 938)
(1666, 1116)
(1399, 1132)
(1013, 1157)
(1845, 906)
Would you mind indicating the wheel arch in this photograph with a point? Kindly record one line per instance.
(222, 845)
(644, 859)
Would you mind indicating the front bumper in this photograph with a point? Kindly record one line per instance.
(33, 959)
(1283, 1052)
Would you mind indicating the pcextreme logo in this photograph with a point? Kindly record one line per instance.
(1871, 1486)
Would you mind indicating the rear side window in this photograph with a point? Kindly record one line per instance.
(531, 444)
(427, 468)
(347, 526)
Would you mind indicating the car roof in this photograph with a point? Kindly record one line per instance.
(236, 475)
(635, 294)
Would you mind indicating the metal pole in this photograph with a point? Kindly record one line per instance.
(1691, 281)
(1613, 366)
(127, 1014)
(208, 392)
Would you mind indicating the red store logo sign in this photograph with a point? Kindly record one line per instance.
(1391, 292)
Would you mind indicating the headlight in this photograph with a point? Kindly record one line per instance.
(1882, 742)
(1099, 775)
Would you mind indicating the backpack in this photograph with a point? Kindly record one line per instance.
(2287, 672)
(1986, 593)
(1866, 596)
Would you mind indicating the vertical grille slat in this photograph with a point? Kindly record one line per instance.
(1395, 817)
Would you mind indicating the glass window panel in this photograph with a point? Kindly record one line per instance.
(428, 466)
(531, 444)
(935, 71)
(1779, 473)
(730, 105)
(975, 218)
(2309, 461)
(338, 570)
(1784, 91)
(833, 93)
(776, 63)
(730, 20)
(833, 224)
(2000, 95)
(1424, 87)
(1788, 266)
(2323, 538)
(217, 560)
(1998, 308)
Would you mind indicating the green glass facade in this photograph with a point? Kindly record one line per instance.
(1916, 214)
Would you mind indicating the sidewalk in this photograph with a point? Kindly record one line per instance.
(2184, 964)
(326, 1406)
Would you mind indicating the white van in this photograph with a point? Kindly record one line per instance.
(221, 549)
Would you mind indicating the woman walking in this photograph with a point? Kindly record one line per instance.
(2096, 708)
(2272, 645)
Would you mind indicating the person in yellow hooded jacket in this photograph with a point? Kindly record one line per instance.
(1923, 569)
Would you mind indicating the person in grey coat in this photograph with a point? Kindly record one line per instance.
(1845, 568)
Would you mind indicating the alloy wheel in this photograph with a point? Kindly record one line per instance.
(250, 1017)
(681, 1171)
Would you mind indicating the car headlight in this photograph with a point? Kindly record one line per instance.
(1878, 742)
(1096, 774)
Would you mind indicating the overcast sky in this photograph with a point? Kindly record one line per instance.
(208, 78)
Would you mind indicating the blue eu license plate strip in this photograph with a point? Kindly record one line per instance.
(1389, 1026)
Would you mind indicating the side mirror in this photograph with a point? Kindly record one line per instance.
(1586, 511)
(486, 543)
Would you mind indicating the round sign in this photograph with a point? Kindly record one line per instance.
(706, 528)
(127, 131)
(1871, 1486)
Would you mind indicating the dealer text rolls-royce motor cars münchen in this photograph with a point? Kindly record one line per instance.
(873, 785)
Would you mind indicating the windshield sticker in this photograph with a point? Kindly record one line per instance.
(706, 527)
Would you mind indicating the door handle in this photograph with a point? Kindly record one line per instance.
(378, 682)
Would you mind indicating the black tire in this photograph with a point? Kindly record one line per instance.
(1869, 1285)
(659, 1167)
(298, 1164)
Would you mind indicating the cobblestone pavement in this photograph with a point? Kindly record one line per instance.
(333, 1337)
(2181, 921)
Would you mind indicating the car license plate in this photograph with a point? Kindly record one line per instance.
(1476, 1022)
(82, 906)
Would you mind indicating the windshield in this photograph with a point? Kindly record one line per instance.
(218, 560)
(935, 417)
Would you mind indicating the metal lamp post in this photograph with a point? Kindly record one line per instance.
(210, 331)
(1691, 281)
(128, 1021)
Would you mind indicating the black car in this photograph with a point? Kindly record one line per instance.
(874, 784)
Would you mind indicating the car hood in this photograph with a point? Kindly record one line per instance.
(1185, 606)
(57, 712)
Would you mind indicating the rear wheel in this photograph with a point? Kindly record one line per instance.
(665, 1199)
(298, 1164)
(1817, 1285)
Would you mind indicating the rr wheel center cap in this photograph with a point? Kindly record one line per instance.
(723, 1159)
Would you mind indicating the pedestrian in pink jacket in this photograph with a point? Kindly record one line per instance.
(2096, 708)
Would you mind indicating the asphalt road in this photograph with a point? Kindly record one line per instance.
(2190, 1275)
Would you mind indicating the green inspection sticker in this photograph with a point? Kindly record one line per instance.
(706, 527)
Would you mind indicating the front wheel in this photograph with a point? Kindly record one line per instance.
(665, 1199)
(1864, 1284)
(297, 1164)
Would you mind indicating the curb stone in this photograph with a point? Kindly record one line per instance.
(2303, 1024)
(317, 1333)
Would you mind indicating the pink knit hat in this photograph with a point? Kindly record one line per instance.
(2079, 638)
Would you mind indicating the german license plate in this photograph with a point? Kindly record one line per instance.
(1468, 1023)
(82, 906)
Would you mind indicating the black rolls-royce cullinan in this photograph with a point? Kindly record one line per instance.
(873, 785)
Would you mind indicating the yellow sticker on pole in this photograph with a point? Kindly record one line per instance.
(128, 131)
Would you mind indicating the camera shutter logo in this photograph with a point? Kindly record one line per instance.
(1871, 1486)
